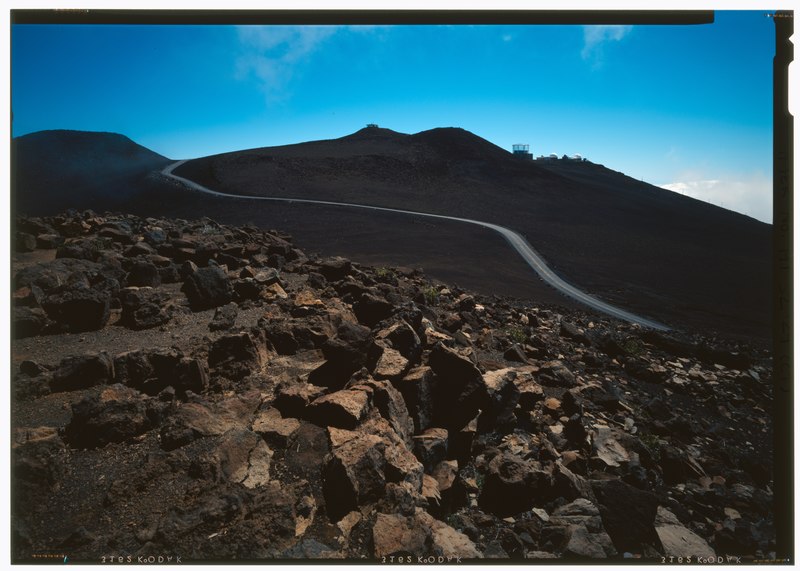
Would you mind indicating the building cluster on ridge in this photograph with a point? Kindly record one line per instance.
(523, 151)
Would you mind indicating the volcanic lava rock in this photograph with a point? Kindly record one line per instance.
(343, 408)
(79, 308)
(431, 447)
(628, 515)
(354, 474)
(417, 388)
(238, 354)
(114, 415)
(143, 307)
(371, 309)
(81, 372)
(460, 391)
(143, 274)
(29, 321)
(207, 287)
(507, 489)
(224, 317)
(503, 398)
(38, 456)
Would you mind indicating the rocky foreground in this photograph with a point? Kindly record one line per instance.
(192, 391)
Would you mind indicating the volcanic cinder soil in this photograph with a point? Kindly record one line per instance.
(190, 391)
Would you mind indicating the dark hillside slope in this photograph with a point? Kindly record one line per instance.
(55, 170)
(647, 249)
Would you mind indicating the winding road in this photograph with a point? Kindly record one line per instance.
(531, 257)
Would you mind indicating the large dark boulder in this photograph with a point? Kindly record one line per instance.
(143, 308)
(352, 349)
(143, 274)
(238, 354)
(460, 391)
(508, 486)
(371, 309)
(354, 475)
(628, 515)
(114, 415)
(207, 287)
(29, 321)
(80, 309)
(81, 372)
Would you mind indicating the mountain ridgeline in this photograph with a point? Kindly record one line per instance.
(654, 252)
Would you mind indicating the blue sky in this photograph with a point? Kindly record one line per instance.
(685, 107)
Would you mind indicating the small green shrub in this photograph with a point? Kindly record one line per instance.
(516, 334)
(652, 444)
(632, 347)
(383, 272)
(431, 295)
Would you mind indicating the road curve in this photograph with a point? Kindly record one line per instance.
(531, 257)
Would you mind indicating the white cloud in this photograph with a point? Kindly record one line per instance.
(595, 37)
(272, 54)
(749, 194)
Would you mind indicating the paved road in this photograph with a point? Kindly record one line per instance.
(531, 257)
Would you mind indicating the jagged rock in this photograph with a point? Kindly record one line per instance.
(508, 486)
(343, 409)
(447, 542)
(38, 463)
(460, 391)
(530, 392)
(351, 349)
(81, 372)
(515, 353)
(293, 398)
(354, 475)
(677, 540)
(241, 456)
(556, 374)
(628, 515)
(308, 548)
(224, 317)
(371, 309)
(402, 337)
(335, 269)
(452, 494)
(503, 398)
(143, 274)
(261, 518)
(115, 415)
(417, 388)
(586, 536)
(238, 354)
(607, 448)
(29, 321)
(391, 365)
(275, 429)
(391, 406)
(280, 335)
(399, 535)
(207, 287)
(79, 308)
(195, 420)
(570, 331)
(403, 467)
(143, 307)
(431, 447)
(153, 371)
(25, 242)
(49, 241)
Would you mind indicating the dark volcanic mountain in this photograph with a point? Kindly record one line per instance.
(55, 170)
(645, 248)
(648, 250)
